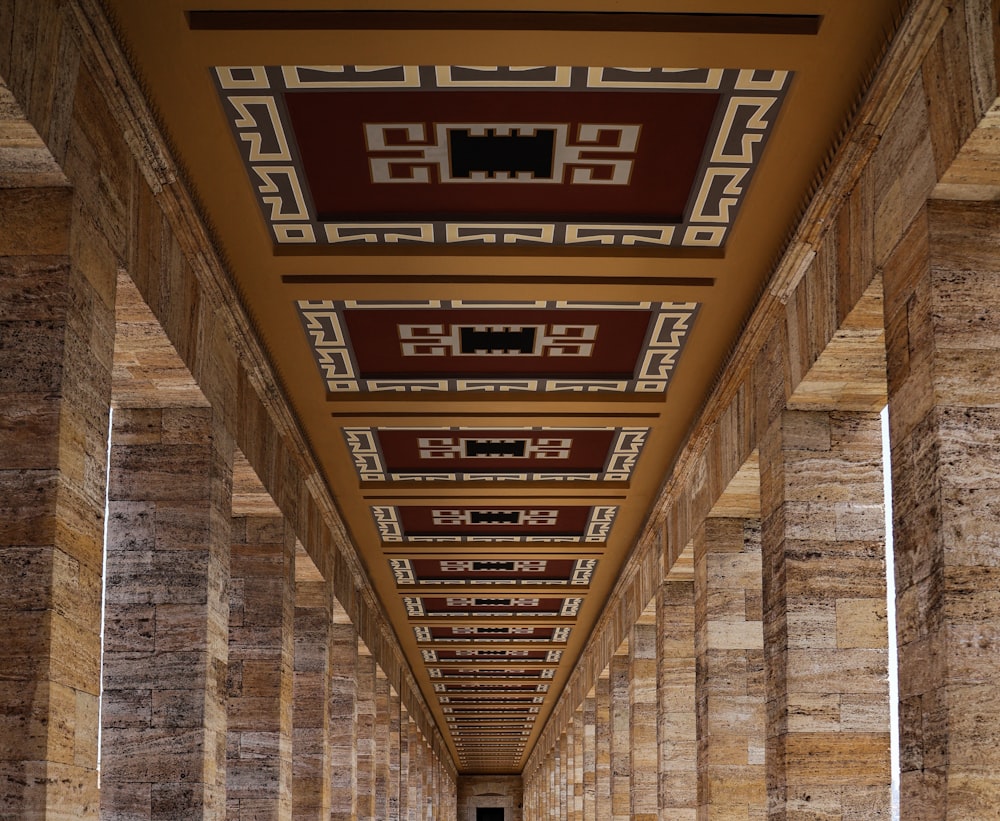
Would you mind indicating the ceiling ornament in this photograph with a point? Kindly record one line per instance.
(500, 155)
(460, 345)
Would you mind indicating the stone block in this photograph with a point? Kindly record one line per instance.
(861, 623)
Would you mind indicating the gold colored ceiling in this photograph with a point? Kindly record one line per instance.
(829, 69)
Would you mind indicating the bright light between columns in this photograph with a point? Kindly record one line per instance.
(890, 593)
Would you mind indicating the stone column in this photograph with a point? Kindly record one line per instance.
(395, 753)
(730, 645)
(260, 669)
(590, 757)
(343, 684)
(621, 737)
(644, 770)
(435, 786)
(563, 777)
(551, 793)
(381, 744)
(824, 614)
(941, 319)
(675, 686)
(414, 798)
(311, 773)
(404, 762)
(602, 755)
(424, 774)
(570, 771)
(167, 615)
(578, 765)
(364, 740)
(56, 343)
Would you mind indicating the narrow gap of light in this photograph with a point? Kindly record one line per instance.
(104, 589)
(890, 595)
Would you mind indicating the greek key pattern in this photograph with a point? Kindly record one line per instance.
(370, 462)
(390, 530)
(253, 101)
(583, 570)
(326, 332)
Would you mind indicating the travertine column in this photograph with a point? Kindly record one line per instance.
(343, 716)
(395, 753)
(381, 744)
(824, 616)
(414, 798)
(548, 794)
(260, 669)
(428, 785)
(56, 342)
(167, 615)
(570, 771)
(730, 641)
(590, 757)
(420, 805)
(942, 340)
(435, 786)
(578, 771)
(643, 717)
(561, 777)
(311, 773)
(404, 762)
(364, 740)
(621, 737)
(602, 718)
(675, 685)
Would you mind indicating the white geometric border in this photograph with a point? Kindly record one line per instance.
(254, 107)
(366, 451)
(326, 331)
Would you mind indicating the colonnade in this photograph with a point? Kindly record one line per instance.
(754, 684)
(234, 683)
(247, 672)
(740, 669)
(764, 564)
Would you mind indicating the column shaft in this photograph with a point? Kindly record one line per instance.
(167, 615)
(590, 757)
(621, 738)
(56, 343)
(260, 669)
(364, 741)
(941, 290)
(644, 769)
(343, 717)
(730, 642)
(405, 774)
(381, 744)
(824, 616)
(394, 755)
(311, 774)
(602, 720)
(678, 794)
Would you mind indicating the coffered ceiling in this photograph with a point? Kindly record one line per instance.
(498, 259)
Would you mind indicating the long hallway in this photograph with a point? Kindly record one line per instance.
(410, 439)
